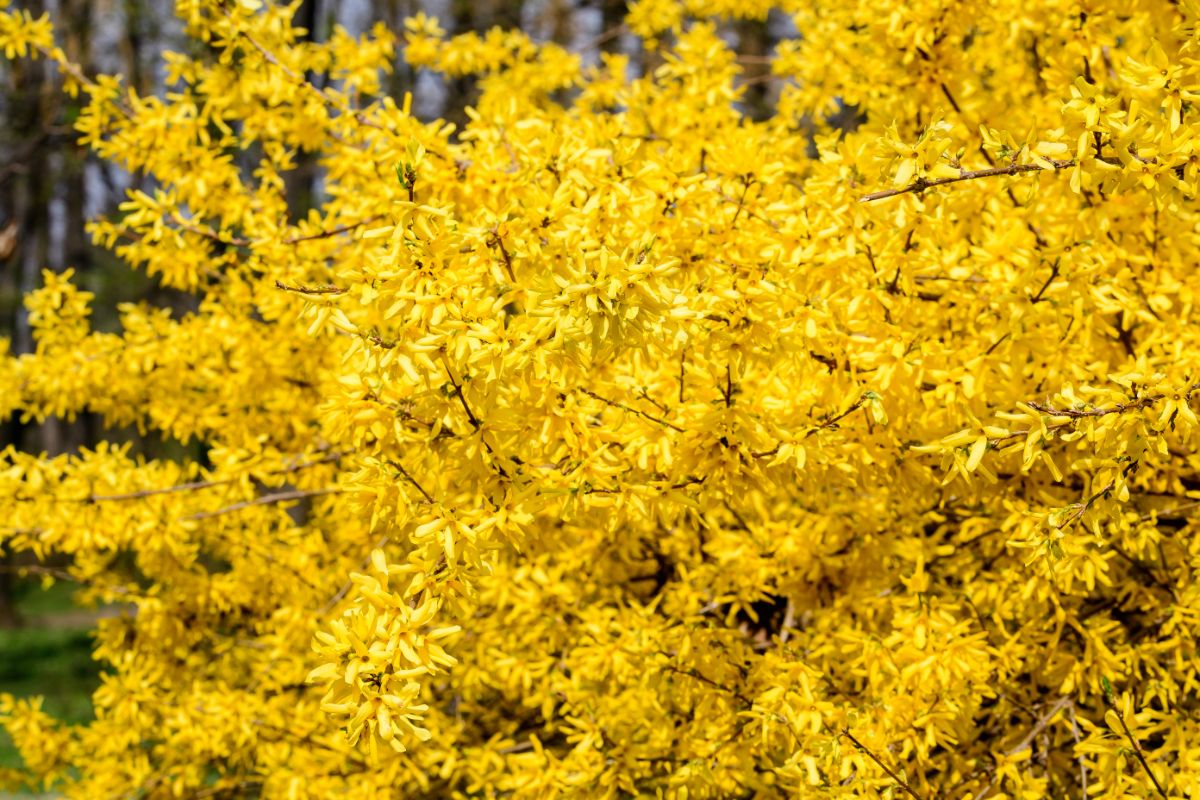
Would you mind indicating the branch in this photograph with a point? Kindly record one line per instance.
(497, 242)
(632, 410)
(898, 780)
(1116, 408)
(1042, 723)
(208, 233)
(458, 392)
(832, 422)
(266, 499)
(1071, 415)
(300, 81)
(1137, 748)
(747, 182)
(76, 72)
(194, 485)
(611, 33)
(829, 423)
(921, 184)
(413, 481)
(310, 289)
(332, 231)
(344, 589)
(1082, 508)
(1083, 773)
(695, 674)
(1037, 298)
(38, 569)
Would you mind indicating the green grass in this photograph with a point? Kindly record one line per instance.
(47, 659)
(34, 601)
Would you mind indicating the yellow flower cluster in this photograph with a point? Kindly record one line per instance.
(618, 445)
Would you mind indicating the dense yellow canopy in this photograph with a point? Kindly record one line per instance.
(618, 445)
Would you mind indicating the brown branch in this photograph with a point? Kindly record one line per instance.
(266, 499)
(1037, 298)
(896, 778)
(1072, 415)
(946, 92)
(194, 485)
(747, 182)
(999, 341)
(1083, 773)
(695, 675)
(462, 399)
(632, 410)
(498, 243)
(1137, 748)
(310, 289)
(1082, 508)
(141, 493)
(300, 81)
(611, 33)
(921, 184)
(682, 374)
(22, 571)
(400, 468)
(832, 422)
(1042, 723)
(208, 233)
(1169, 513)
(1117, 408)
(827, 424)
(770, 223)
(340, 229)
(76, 72)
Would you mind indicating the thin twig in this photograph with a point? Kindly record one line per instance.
(632, 410)
(332, 231)
(1037, 298)
(264, 500)
(921, 184)
(1072, 415)
(345, 587)
(208, 233)
(39, 569)
(898, 780)
(271, 58)
(400, 468)
(310, 289)
(696, 675)
(76, 72)
(498, 243)
(1116, 408)
(1137, 748)
(1081, 508)
(1042, 723)
(1083, 773)
(747, 182)
(611, 33)
(458, 392)
(829, 423)
(195, 485)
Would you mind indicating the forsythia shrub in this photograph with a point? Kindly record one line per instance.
(618, 445)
